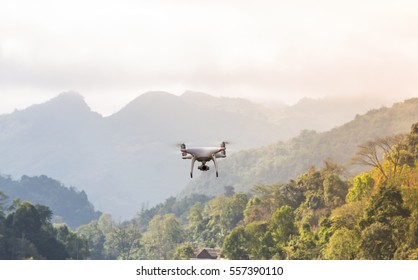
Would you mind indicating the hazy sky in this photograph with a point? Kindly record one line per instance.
(113, 50)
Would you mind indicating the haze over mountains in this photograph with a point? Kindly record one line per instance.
(282, 161)
(130, 158)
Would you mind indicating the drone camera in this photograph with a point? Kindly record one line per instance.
(203, 167)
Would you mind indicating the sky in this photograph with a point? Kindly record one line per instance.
(111, 51)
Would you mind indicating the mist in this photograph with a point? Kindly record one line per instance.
(112, 51)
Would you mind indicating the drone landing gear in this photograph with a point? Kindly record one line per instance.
(216, 164)
(203, 167)
(191, 170)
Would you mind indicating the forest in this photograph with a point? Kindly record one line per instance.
(69, 205)
(321, 214)
(26, 232)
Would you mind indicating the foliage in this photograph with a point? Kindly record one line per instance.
(162, 238)
(235, 245)
(27, 233)
(321, 214)
(68, 205)
(184, 252)
(362, 187)
(283, 161)
(343, 245)
(283, 225)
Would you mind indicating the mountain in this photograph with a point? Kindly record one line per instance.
(67, 204)
(325, 113)
(129, 159)
(282, 161)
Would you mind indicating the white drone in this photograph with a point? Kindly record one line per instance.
(203, 155)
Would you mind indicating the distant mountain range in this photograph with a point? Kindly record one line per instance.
(282, 161)
(130, 159)
(68, 205)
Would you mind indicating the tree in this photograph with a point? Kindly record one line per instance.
(386, 205)
(343, 245)
(362, 188)
(347, 216)
(234, 210)
(76, 246)
(370, 153)
(216, 227)
(163, 236)
(220, 215)
(412, 142)
(256, 211)
(95, 239)
(283, 225)
(33, 225)
(197, 223)
(235, 245)
(301, 247)
(3, 199)
(124, 241)
(335, 191)
(184, 252)
(385, 224)
(260, 241)
(26, 221)
(377, 242)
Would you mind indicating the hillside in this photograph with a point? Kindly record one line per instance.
(67, 204)
(130, 159)
(282, 161)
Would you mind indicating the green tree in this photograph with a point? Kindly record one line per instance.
(3, 199)
(377, 242)
(30, 224)
(362, 188)
(283, 225)
(221, 214)
(260, 242)
(335, 191)
(234, 210)
(343, 245)
(256, 211)
(76, 247)
(163, 236)
(124, 241)
(412, 142)
(385, 224)
(386, 205)
(26, 221)
(196, 224)
(184, 252)
(95, 239)
(235, 246)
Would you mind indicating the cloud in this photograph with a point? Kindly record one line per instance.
(274, 49)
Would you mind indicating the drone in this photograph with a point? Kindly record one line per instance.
(203, 155)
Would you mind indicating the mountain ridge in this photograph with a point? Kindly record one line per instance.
(282, 161)
(129, 159)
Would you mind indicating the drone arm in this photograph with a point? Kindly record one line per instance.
(187, 157)
(216, 164)
(191, 170)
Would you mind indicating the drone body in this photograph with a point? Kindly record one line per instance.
(203, 155)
